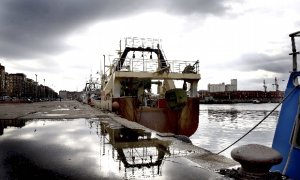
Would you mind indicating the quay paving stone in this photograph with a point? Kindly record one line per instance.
(48, 110)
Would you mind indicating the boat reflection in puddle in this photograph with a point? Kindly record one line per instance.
(139, 155)
(88, 149)
(10, 123)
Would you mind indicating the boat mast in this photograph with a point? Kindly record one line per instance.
(294, 53)
(120, 50)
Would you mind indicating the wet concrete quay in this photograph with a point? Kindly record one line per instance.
(69, 140)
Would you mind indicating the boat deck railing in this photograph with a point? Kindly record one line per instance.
(151, 65)
(142, 42)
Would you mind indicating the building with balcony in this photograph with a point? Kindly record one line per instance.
(17, 83)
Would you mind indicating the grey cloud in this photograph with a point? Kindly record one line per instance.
(30, 28)
(196, 7)
(277, 64)
(281, 63)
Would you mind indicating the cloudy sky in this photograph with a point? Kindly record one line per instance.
(63, 41)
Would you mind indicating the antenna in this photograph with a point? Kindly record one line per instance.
(120, 48)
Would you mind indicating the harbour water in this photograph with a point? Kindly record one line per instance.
(222, 124)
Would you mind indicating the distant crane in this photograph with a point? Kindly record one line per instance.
(265, 87)
(276, 84)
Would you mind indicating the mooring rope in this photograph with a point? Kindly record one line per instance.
(258, 122)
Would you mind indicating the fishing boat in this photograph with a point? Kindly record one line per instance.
(141, 85)
(91, 92)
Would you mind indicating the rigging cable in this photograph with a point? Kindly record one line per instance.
(258, 122)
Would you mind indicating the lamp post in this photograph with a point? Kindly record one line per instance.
(44, 90)
(52, 91)
(36, 87)
(104, 63)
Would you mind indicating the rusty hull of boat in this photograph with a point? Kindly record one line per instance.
(162, 118)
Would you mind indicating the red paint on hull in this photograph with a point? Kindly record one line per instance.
(164, 120)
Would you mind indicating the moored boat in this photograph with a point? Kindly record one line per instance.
(282, 160)
(91, 93)
(287, 135)
(142, 88)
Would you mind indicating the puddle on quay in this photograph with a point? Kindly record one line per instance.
(48, 115)
(61, 109)
(54, 115)
(88, 149)
(40, 113)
